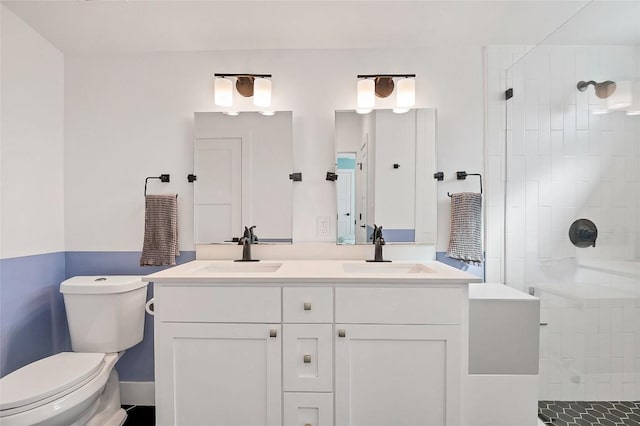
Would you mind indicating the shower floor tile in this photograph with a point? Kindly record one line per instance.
(588, 413)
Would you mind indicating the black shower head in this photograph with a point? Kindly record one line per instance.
(603, 90)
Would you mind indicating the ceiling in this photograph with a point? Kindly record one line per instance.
(155, 26)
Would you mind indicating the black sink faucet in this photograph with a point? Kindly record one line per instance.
(247, 239)
(378, 241)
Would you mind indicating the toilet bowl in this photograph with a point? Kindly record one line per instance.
(80, 388)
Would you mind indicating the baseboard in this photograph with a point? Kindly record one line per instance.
(138, 393)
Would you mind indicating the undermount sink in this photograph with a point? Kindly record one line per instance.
(242, 267)
(385, 268)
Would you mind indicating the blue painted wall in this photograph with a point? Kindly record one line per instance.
(33, 324)
(394, 235)
(137, 363)
(477, 270)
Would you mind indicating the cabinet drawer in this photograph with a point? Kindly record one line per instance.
(399, 305)
(308, 409)
(217, 304)
(307, 304)
(307, 357)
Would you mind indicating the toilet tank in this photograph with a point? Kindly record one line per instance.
(105, 313)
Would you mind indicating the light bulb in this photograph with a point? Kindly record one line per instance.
(223, 92)
(262, 92)
(406, 96)
(366, 94)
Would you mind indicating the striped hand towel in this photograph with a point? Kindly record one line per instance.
(160, 231)
(465, 241)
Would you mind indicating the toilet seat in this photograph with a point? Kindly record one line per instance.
(48, 379)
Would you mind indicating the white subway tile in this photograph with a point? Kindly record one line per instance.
(516, 147)
(531, 104)
(544, 116)
(604, 391)
(629, 392)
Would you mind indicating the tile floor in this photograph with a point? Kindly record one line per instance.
(138, 415)
(553, 413)
(589, 413)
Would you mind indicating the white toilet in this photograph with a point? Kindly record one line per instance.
(105, 316)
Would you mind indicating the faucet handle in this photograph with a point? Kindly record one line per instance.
(253, 238)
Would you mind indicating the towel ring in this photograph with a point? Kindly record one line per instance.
(463, 176)
(163, 178)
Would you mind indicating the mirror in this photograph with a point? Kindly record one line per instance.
(242, 164)
(385, 164)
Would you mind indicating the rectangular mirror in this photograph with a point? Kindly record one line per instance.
(385, 164)
(242, 164)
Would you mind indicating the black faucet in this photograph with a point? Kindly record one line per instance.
(247, 239)
(378, 241)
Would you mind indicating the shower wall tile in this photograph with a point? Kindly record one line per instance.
(563, 162)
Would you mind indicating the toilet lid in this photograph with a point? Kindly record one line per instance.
(47, 377)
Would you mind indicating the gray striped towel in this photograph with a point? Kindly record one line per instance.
(160, 231)
(465, 241)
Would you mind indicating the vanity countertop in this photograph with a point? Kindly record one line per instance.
(312, 271)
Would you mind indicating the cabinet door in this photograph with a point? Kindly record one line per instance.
(401, 375)
(218, 374)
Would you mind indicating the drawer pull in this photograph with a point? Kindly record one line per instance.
(342, 333)
(307, 424)
(307, 306)
(273, 333)
(307, 358)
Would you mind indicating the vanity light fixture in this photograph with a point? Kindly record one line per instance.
(382, 85)
(247, 85)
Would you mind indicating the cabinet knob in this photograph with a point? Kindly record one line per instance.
(273, 333)
(342, 333)
(307, 358)
(307, 306)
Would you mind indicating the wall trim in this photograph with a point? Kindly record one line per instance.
(138, 393)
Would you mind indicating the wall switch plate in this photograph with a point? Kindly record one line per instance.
(323, 227)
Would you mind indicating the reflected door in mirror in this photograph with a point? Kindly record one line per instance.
(346, 197)
(217, 208)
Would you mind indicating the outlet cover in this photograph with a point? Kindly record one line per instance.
(323, 227)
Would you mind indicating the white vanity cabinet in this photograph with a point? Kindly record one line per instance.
(336, 351)
(398, 356)
(218, 355)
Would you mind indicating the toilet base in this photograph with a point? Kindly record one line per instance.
(109, 412)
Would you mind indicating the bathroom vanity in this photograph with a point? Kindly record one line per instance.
(301, 342)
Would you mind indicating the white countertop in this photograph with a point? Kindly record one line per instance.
(312, 271)
(490, 291)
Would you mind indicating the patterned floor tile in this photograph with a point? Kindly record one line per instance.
(589, 413)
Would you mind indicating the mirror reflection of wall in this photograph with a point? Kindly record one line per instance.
(242, 164)
(385, 164)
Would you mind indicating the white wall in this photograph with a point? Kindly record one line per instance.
(31, 183)
(349, 138)
(130, 116)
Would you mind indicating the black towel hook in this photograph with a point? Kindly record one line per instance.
(162, 177)
(463, 175)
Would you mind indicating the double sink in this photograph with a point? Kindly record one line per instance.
(347, 267)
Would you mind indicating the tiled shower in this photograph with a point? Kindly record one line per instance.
(558, 160)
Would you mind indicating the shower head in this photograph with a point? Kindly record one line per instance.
(603, 90)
